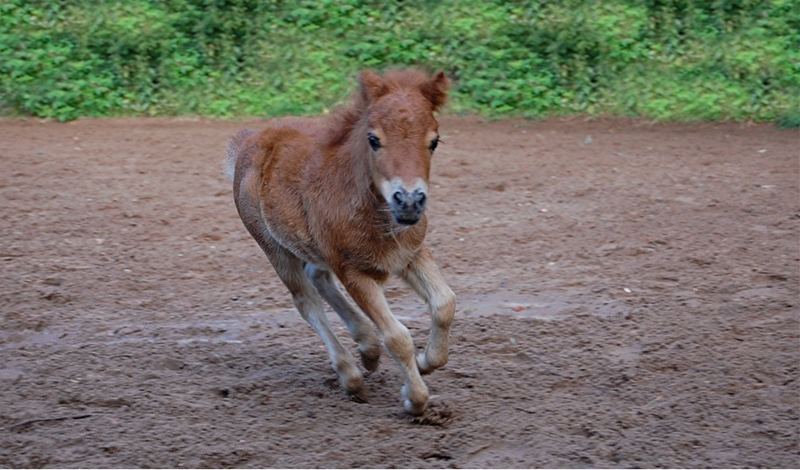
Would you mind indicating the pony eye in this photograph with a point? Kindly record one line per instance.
(434, 143)
(374, 141)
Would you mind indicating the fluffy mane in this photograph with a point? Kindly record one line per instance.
(345, 118)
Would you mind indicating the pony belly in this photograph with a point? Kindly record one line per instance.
(298, 244)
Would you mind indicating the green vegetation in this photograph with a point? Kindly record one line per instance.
(663, 59)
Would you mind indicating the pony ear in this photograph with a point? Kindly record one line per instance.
(435, 89)
(372, 85)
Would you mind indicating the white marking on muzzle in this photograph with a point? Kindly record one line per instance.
(389, 187)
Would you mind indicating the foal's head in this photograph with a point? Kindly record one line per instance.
(401, 134)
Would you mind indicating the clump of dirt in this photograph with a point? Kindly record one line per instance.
(438, 413)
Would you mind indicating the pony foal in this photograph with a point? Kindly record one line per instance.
(344, 198)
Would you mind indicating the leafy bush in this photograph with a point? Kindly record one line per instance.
(663, 59)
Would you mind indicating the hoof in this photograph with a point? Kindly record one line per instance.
(426, 365)
(353, 384)
(417, 406)
(414, 409)
(350, 378)
(359, 396)
(422, 364)
(370, 359)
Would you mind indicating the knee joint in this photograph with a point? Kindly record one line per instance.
(444, 311)
(399, 342)
(314, 273)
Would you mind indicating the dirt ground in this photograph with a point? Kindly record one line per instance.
(628, 295)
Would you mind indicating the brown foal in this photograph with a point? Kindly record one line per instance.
(344, 198)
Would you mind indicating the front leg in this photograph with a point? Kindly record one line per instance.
(425, 278)
(368, 294)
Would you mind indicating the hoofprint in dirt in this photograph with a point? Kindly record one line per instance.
(627, 296)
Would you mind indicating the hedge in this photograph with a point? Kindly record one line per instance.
(660, 59)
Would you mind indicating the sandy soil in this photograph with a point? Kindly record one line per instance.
(628, 296)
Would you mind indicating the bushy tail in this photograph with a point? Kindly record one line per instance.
(235, 148)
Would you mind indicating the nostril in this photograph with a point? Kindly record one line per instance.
(398, 197)
(419, 200)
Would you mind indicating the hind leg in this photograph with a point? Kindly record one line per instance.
(360, 327)
(290, 270)
(311, 308)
